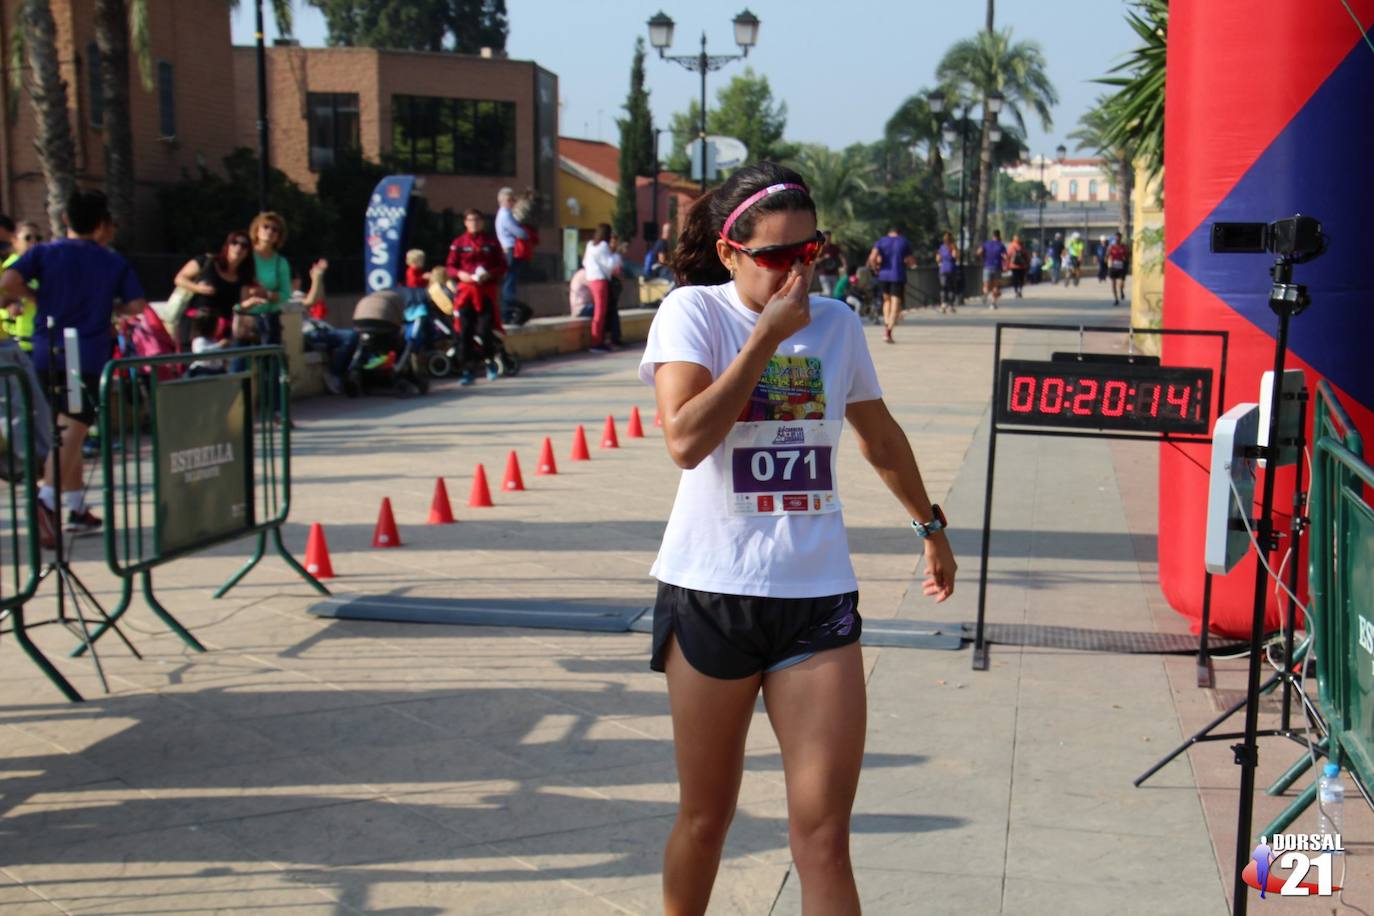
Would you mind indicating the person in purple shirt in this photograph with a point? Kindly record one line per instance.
(889, 259)
(79, 283)
(948, 259)
(994, 258)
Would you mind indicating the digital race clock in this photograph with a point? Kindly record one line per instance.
(1104, 392)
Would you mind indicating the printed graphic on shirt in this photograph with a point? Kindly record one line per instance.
(791, 388)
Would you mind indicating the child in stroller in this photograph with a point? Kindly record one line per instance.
(391, 337)
(445, 356)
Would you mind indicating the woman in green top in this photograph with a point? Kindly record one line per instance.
(268, 234)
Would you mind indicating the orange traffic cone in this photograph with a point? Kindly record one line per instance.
(658, 418)
(635, 430)
(386, 534)
(317, 554)
(513, 480)
(579, 452)
(481, 495)
(440, 511)
(546, 462)
(608, 437)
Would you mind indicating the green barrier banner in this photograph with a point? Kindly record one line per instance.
(204, 458)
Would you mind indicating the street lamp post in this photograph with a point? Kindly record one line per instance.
(1043, 192)
(262, 113)
(657, 131)
(992, 105)
(661, 37)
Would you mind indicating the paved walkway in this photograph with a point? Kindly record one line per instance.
(307, 765)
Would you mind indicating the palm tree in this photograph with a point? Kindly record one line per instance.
(837, 180)
(912, 125)
(121, 27)
(1134, 120)
(1092, 135)
(991, 62)
(48, 92)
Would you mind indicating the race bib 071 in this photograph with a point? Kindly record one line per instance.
(781, 468)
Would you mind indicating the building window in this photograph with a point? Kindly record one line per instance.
(93, 85)
(1073, 189)
(1092, 189)
(1054, 189)
(453, 136)
(166, 101)
(333, 120)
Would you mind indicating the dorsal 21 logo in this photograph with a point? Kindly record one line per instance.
(1297, 854)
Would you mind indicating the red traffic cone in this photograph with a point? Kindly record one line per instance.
(658, 418)
(546, 462)
(635, 429)
(440, 511)
(317, 554)
(386, 534)
(608, 437)
(513, 480)
(579, 452)
(481, 495)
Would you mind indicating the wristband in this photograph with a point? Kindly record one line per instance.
(926, 529)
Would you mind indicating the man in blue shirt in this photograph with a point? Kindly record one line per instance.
(889, 259)
(994, 258)
(508, 229)
(79, 281)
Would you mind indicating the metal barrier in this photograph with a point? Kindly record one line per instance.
(20, 556)
(213, 466)
(1340, 587)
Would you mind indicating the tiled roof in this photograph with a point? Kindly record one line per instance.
(593, 155)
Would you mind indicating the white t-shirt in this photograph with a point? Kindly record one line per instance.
(827, 365)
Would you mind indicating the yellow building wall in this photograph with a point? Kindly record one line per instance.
(1147, 259)
(595, 205)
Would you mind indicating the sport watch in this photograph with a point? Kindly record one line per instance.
(937, 523)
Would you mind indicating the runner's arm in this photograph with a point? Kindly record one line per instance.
(885, 446)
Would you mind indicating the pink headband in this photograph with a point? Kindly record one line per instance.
(755, 198)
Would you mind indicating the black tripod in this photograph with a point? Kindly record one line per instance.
(69, 584)
(1285, 676)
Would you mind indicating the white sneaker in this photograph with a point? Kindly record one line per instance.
(332, 383)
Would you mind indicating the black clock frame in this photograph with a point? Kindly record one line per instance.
(1140, 364)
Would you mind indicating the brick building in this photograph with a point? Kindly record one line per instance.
(468, 125)
(186, 120)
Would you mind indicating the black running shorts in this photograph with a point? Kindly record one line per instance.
(737, 636)
(892, 287)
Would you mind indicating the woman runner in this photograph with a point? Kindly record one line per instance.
(754, 379)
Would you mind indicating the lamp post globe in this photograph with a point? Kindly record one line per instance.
(994, 102)
(935, 99)
(661, 32)
(1060, 152)
(746, 30)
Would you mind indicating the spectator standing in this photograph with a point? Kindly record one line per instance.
(271, 271)
(656, 259)
(416, 275)
(80, 281)
(1116, 269)
(994, 257)
(1100, 252)
(476, 261)
(829, 266)
(220, 282)
(889, 259)
(947, 257)
(508, 232)
(600, 262)
(1054, 255)
(20, 327)
(1017, 264)
(1037, 267)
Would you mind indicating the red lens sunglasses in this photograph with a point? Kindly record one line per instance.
(782, 257)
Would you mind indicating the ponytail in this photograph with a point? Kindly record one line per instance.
(695, 261)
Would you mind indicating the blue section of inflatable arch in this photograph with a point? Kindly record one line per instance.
(1318, 165)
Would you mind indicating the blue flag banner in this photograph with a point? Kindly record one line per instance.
(384, 231)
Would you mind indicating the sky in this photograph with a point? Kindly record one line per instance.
(842, 68)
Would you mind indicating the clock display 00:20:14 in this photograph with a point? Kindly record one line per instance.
(1103, 401)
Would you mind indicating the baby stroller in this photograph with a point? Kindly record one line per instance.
(391, 337)
(443, 357)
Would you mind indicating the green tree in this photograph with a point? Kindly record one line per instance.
(992, 62)
(1092, 135)
(48, 93)
(1133, 119)
(745, 109)
(839, 182)
(636, 148)
(913, 126)
(463, 26)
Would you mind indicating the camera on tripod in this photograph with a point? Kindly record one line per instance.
(1297, 238)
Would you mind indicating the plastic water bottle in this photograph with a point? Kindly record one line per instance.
(1331, 795)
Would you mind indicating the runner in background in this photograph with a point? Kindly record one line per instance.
(755, 379)
(889, 259)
